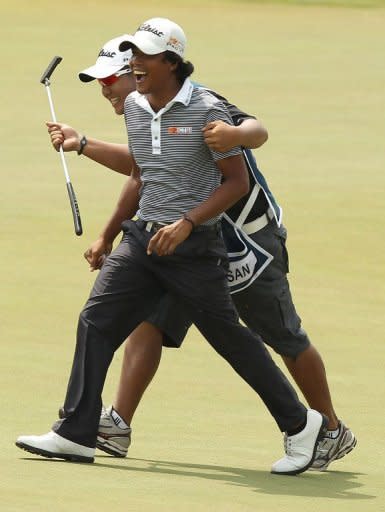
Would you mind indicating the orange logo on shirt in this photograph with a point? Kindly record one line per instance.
(179, 130)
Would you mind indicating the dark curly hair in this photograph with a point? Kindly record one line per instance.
(184, 68)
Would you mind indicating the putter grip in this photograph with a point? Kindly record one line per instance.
(75, 209)
(51, 68)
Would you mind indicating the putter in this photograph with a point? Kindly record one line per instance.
(45, 80)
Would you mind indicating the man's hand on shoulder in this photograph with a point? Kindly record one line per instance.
(220, 136)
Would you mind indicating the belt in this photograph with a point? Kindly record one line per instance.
(259, 223)
(153, 227)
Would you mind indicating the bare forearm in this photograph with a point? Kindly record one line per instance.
(235, 185)
(221, 136)
(250, 134)
(223, 198)
(114, 156)
(126, 208)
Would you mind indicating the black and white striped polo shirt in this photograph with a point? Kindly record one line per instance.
(178, 169)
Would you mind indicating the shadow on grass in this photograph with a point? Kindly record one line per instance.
(331, 484)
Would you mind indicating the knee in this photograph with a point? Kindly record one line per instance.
(146, 334)
(289, 344)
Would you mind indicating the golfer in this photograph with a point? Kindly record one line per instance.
(175, 246)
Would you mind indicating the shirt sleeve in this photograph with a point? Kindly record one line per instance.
(218, 112)
(237, 115)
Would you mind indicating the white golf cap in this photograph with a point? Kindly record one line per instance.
(157, 35)
(110, 60)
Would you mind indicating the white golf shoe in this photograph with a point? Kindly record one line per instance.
(52, 445)
(300, 448)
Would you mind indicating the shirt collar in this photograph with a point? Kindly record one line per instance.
(183, 96)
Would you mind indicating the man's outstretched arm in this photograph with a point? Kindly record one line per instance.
(114, 156)
(221, 136)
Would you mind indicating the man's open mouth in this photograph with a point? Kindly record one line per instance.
(140, 76)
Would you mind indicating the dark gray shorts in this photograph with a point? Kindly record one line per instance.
(266, 306)
(170, 317)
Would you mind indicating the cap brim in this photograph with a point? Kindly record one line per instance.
(98, 71)
(141, 41)
(125, 45)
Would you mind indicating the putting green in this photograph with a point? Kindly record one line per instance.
(202, 440)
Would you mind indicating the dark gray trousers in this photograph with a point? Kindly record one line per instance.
(128, 287)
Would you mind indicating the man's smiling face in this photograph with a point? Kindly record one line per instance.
(116, 89)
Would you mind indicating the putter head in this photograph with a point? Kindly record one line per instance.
(50, 69)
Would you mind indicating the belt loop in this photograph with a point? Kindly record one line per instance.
(148, 227)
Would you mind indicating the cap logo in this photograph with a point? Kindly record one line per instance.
(148, 28)
(174, 43)
(106, 53)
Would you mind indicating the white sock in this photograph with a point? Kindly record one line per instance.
(118, 420)
(333, 434)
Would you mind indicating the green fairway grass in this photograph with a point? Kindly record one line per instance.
(322, 3)
(202, 440)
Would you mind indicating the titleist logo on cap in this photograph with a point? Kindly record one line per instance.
(148, 28)
(106, 53)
